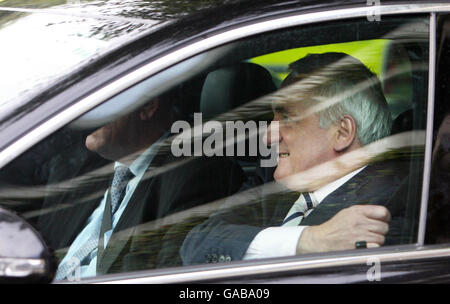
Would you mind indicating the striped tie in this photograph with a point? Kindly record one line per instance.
(298, 210)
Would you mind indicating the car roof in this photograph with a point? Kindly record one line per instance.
(171, 10)
(156, 10)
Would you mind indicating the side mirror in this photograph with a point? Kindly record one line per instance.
(24, 256)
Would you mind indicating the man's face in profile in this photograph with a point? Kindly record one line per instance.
(302, 143)
(113, 140)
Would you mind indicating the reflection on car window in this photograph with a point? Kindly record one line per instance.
(287, 143)
(55, 43)
(437, 228)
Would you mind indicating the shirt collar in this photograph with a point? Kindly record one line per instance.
(140, 164)
(326, 190)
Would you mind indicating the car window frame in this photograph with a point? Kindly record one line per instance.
(202, 272)
(308, 261)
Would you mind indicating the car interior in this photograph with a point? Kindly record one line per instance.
(227, 85)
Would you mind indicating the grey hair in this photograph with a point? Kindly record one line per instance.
(344, 87)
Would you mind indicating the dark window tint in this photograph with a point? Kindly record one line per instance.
(438, 228)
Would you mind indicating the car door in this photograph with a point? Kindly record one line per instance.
(198, 168)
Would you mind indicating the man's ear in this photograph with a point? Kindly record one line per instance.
(147, 111)
(345, 133)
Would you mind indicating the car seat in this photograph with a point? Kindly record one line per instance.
(228, 88)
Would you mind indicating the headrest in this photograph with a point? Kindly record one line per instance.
(229, 87)
(404, 122)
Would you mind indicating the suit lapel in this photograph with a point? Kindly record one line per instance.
(141, 208)
(66, 213)
(276, 205)
(61, 227)
(345, 196)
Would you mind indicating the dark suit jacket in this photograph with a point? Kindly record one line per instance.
(227, 235)
(197, 181)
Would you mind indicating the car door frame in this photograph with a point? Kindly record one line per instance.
(282, 267)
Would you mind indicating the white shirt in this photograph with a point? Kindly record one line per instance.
(282, 241)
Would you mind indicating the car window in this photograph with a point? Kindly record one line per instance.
(239, 152)
(437, 229)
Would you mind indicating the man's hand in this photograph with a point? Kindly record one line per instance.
(368, 223)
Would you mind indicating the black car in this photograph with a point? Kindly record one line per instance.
(199, 84)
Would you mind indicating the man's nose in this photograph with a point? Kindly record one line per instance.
(272, 135)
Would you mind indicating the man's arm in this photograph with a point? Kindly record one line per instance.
(357, 223)
(217, 241)
(368, 223)
(224, 233)
(229, 231)
(217, 238)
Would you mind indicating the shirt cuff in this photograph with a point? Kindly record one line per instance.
(274, 242)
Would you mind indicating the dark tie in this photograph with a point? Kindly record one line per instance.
(298, 210)
(122, 175)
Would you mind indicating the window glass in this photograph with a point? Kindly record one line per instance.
(438, 229)
(284, 143)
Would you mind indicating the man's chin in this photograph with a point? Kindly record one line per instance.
(287, 178)
(280, 175)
